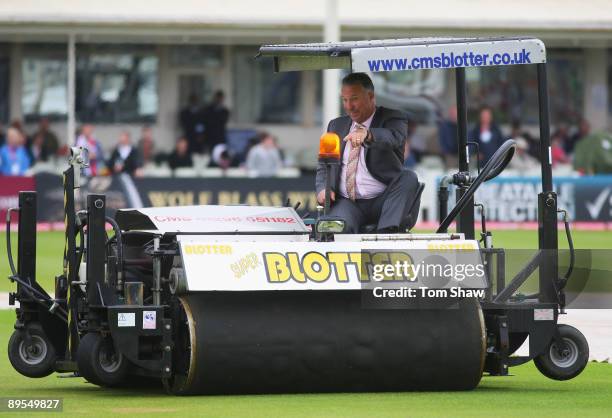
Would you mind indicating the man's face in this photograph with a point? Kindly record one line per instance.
(87, 130)
(13, 138)
(452, 113)
(124, 138)
(182, 146)
(485, 117)
(358, 103)
(585, 127)
(268, 142)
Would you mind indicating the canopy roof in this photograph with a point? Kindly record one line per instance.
(406, 54)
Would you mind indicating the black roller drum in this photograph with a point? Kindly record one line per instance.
(322, 341)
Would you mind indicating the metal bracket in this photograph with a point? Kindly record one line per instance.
(559, 342)
(78, 160)
(462, 179)
(497, 361)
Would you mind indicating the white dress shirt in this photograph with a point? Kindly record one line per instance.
(366, 186)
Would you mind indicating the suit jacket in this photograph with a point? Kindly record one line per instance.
(384, 156)
(130, 164)
(487, 149)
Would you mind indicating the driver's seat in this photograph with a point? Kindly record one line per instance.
(409, 220)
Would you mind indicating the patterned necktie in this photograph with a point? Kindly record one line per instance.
(351, 171)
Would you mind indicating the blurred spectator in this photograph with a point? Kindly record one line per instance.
(593, 154)
(17, 124)
(264, 159)
(414, 146)
(522, 161)
(192, 122)
(180, 157)
(447, 137)
(125, 157)
(418, 143)
(487, 134)
(517, 131)
(221, 157)
(14, 159)
(250, 144)
(215, 119)
(95, 154)
(556, 149)
(562, 134)
(409, 160)
(584, 129)
(447, 132)
(146, 146)
(44, 142)
(2, 134)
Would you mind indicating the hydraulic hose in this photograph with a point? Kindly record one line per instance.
(570, 243)
(34, 293)
(570, 268)
(38, 296)
(119, 239)
(9, 251)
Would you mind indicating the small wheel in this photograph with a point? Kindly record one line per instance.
(98, 361)
(568, 363)
(33, 358)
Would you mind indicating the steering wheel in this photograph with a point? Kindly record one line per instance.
(496, 164)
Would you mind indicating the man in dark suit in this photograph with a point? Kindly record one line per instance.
(369, 186)
(216, 116)
(487, 133)
(125, 157)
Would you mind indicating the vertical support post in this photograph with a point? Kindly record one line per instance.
(26, 238)
(156, 290)
(70, 267)
(545, 151)
(331, 33)
(70, 138)
(465, 220)
(442, 204)
(501, 272)
(488, 260)
(547, 200)
(16, 79)
(96, 246)
(327, 206)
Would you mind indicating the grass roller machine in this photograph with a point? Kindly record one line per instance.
(244, 299)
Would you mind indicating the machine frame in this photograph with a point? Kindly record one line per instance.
(80, 329)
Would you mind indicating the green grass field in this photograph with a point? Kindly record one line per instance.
(526, 394)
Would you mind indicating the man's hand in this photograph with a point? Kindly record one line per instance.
(358, 136)
(321, 197)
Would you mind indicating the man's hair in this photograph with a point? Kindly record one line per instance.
(358, 79)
